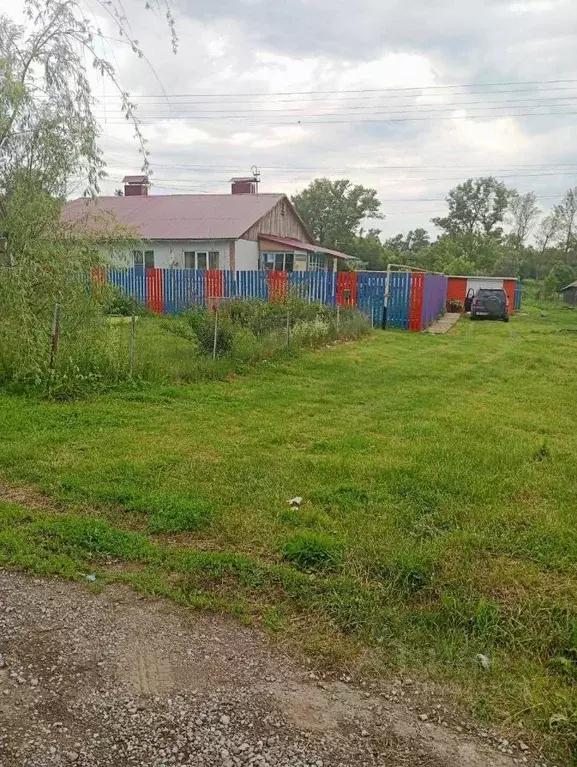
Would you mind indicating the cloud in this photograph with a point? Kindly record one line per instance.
(239, 94)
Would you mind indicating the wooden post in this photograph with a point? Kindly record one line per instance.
(55, 338)
(215, 333)
(131, 345)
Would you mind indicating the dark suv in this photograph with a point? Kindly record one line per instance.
(490, 303)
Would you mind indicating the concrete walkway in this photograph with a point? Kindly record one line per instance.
(444, 324)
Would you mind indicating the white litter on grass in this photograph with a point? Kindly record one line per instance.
(90, 578)
(484, 661)
(295, 502)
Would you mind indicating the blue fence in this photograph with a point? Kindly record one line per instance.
(414, 300)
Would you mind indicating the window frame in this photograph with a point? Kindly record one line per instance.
(317, 262)
(142, 255)
(269, 260)
(210, 256)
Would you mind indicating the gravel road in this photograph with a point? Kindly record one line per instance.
(116, 680)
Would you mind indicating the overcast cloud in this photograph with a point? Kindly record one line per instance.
(198, 141)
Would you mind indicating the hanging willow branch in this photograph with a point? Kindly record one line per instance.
(48, 129)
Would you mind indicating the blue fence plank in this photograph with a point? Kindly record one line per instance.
(399, 300)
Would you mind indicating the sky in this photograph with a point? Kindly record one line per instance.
(409, 97)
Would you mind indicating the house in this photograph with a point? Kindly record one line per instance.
(570, 293)
(243, 230)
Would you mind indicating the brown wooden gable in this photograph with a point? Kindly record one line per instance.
(283, 221)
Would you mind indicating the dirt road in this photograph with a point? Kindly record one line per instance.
(115, 680)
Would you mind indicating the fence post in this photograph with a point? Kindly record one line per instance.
(215, 334)
(288, 327)
(131, 346)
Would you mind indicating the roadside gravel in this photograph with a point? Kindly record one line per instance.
(115, 680)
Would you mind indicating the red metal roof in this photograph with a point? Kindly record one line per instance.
(174, 216)
(298, 245)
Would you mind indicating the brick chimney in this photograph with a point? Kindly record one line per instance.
(135, 186)
(244, 185)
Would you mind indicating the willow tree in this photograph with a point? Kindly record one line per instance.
(49, 141)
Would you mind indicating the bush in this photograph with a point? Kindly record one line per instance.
(252, 330)
(311, 332)
(118, 304)
(313, 551)
(202, 322)
(51, 265)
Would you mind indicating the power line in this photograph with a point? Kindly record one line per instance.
(416, 108)
(337, 97)
(296, 122)
(344, 169)
(360, 90)
(430, 178)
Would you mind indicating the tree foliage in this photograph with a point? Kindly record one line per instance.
(523, 215)
(48, 143)
(476, 207)
(489, 229)
(335, 210)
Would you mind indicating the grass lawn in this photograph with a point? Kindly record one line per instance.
(439, 487)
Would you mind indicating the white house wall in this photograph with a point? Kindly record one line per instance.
(246, 255)
(170, 255)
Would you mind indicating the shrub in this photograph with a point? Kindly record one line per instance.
(313, 551)
(202, 321)
(117, 303)
(51, 265)
(310, 332)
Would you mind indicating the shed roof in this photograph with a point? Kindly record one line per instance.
(174, 216)
(299, 245)
(572, 285)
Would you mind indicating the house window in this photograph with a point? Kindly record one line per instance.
(144, 258)
(201, 259)
(5, 258)
(317, 262)
(277, 262)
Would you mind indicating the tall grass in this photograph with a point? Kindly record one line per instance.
(247, 332)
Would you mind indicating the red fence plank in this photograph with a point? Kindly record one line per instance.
(347, 288)
(277, 286)
(509, 288)
(98, 276)
(155, 290)
(214, 283)
(416, 301)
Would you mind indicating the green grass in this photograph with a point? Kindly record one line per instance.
(438, 522)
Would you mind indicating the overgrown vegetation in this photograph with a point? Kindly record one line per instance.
(49, 146)
(438, 483)
(94, 347)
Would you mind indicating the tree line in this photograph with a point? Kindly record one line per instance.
(489, 228)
